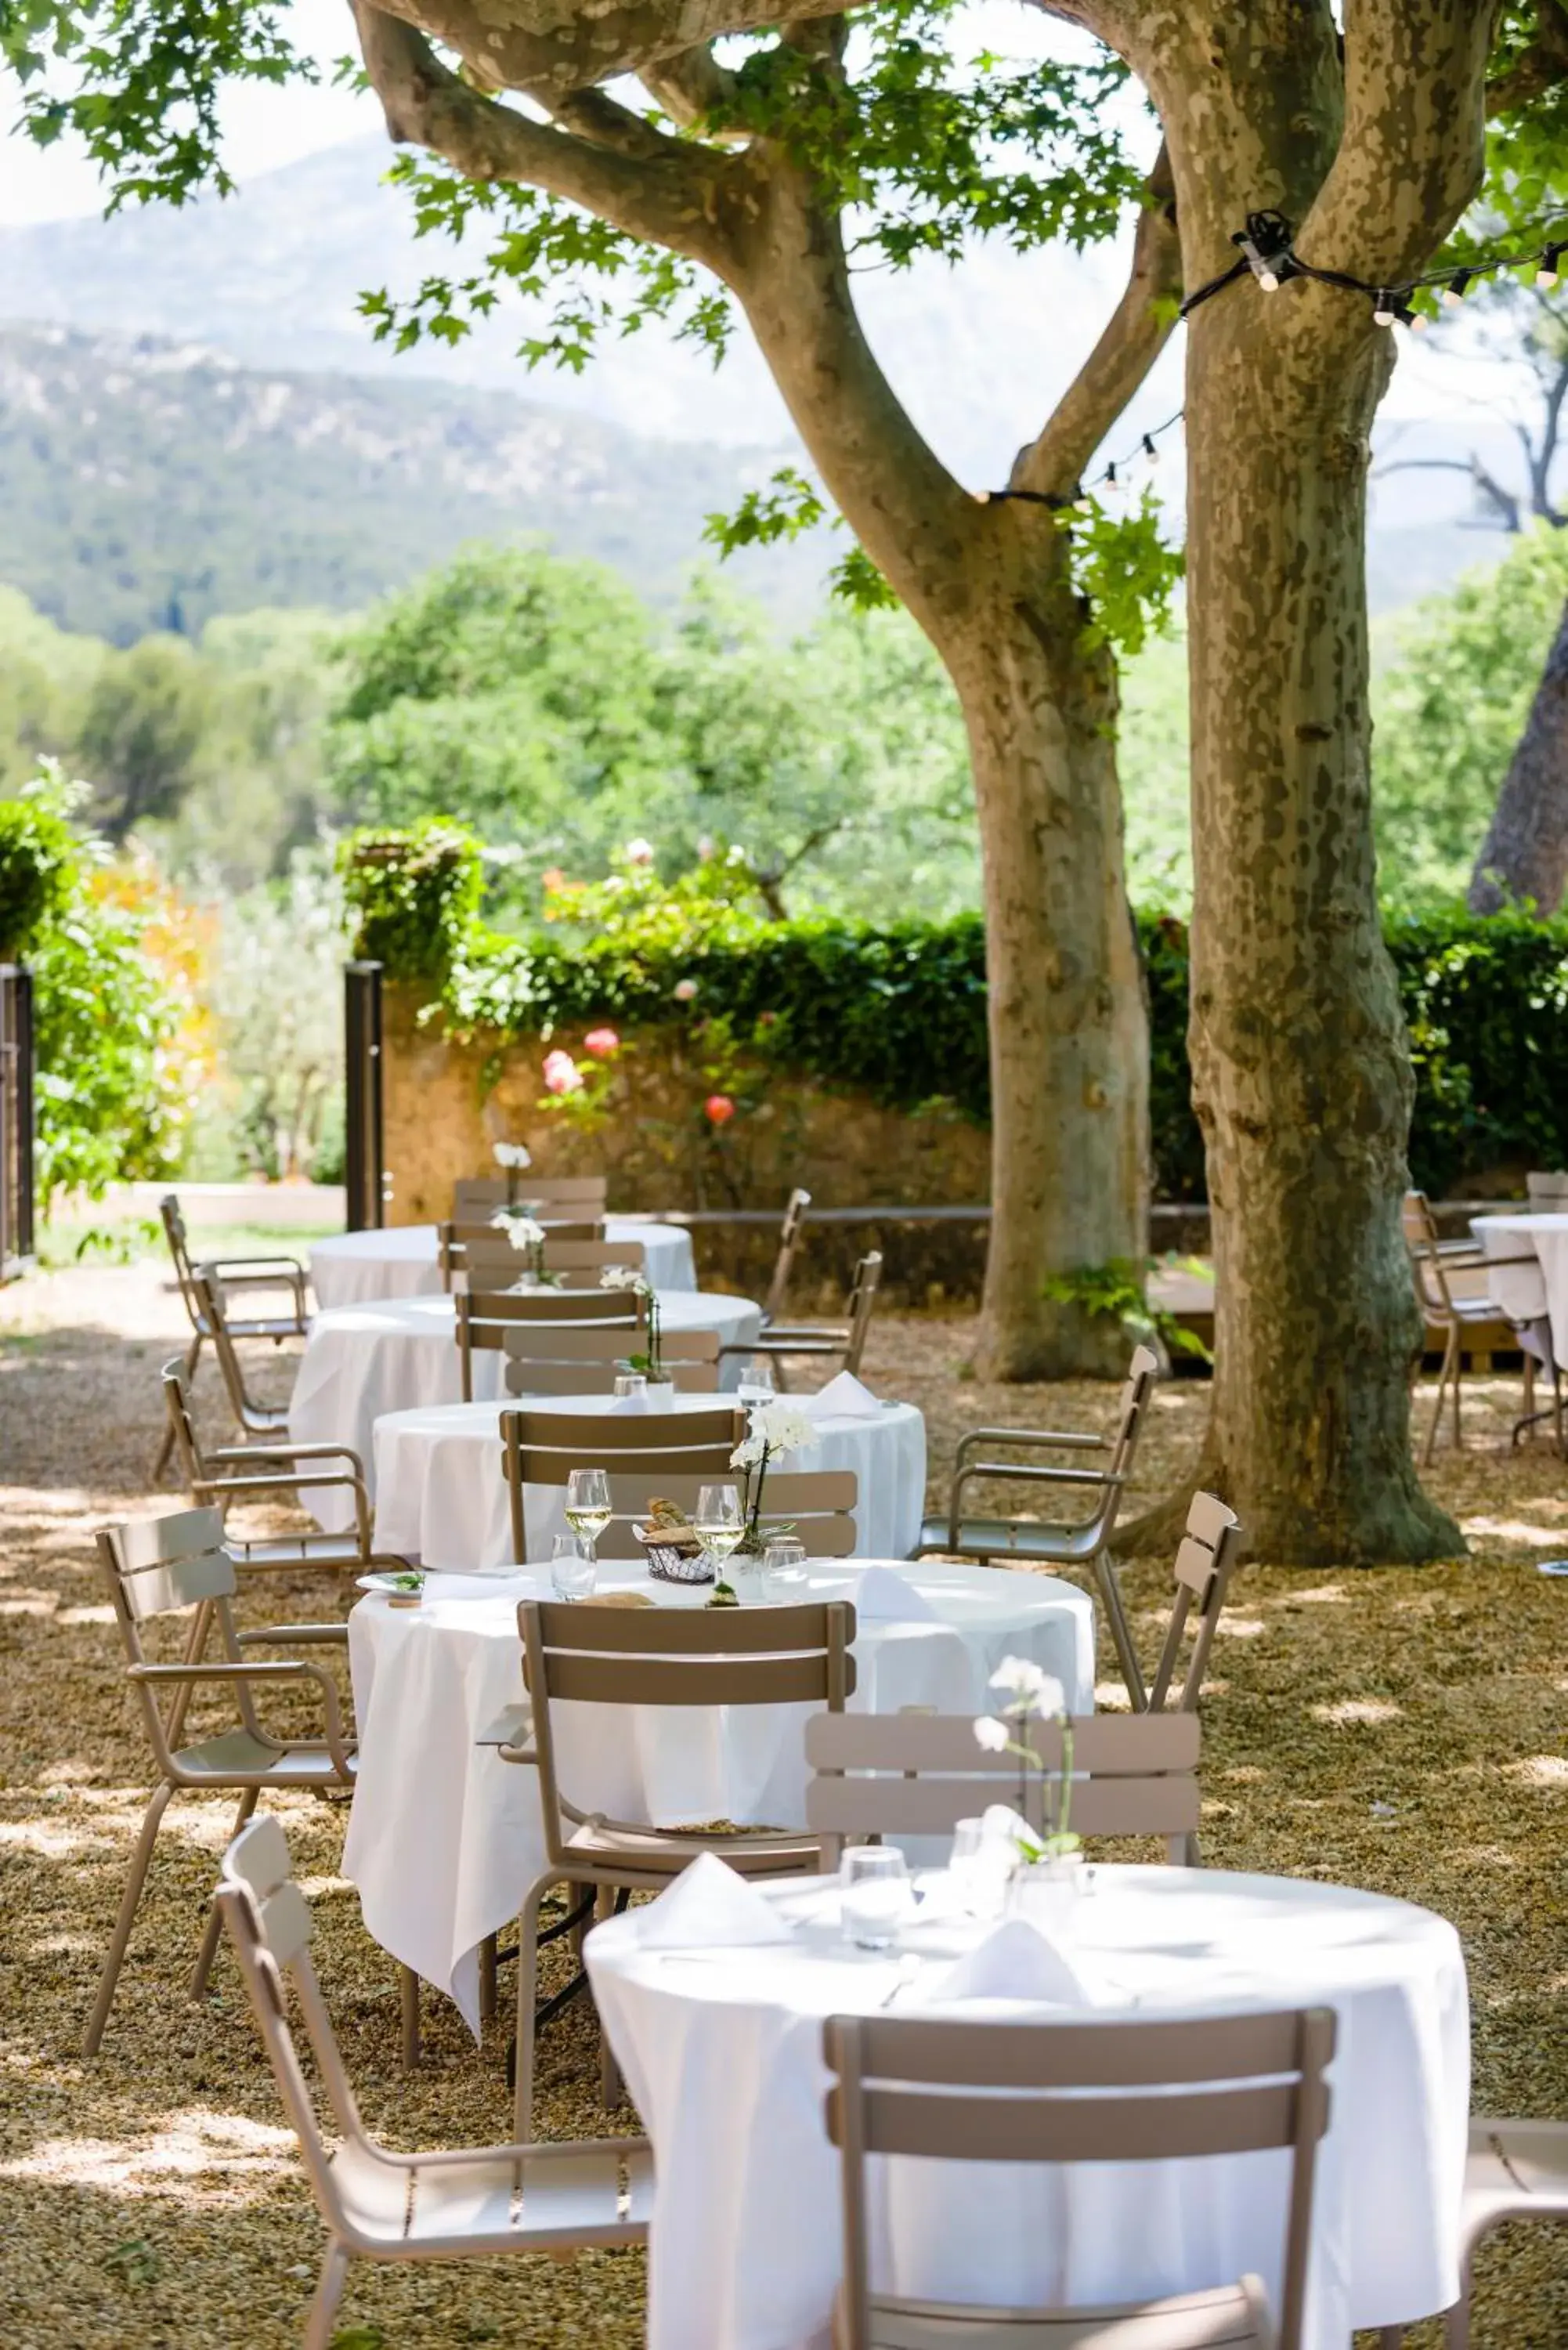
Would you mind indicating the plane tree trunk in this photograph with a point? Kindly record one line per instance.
(1524, 856)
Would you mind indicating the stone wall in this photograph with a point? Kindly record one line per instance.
(448, 1102)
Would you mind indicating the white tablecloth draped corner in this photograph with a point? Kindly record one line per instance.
(402, 1261)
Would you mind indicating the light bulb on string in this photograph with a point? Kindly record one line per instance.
(1548, 272)
(1384, 308)
(1149, 451)
(1457, 286)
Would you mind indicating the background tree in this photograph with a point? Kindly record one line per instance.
(755, 174)
(143, 725)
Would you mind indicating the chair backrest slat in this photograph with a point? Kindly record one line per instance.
(534, 1375)
(1130, 1746)
(592, 1255)
(1204, 1562)
(931, 1805)
(816, 1504)
(588, 1436)
(1547, 1189)
(682, 1681)
(862, 1299)
(959, 2089)
(1136, 1388)
(603, 1342)
(182, 1427)
(789, 1242)
(478, 1196)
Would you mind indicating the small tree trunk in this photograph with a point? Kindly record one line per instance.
(1067, 1013)
(1524, 855)
(1301, 1074)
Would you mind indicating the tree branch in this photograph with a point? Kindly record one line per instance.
(1541, 67)
(1487, 484)
(692, 87)
(1133, 337)
(539, 44)
(669, 195)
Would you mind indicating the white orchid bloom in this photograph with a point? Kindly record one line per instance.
(625, 1276)
(783, 1426)
(521, 1231)
(1030, 1686)
(990, 1733)
(512, 1154)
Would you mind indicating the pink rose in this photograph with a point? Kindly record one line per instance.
(684, 990)
(562, 1075)
(718, 1109)
(601, 1043)
(639, 852)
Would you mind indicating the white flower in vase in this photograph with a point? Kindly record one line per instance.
(512, 1155)
(1027, 1690)
(520, 1230)
(991, 1735)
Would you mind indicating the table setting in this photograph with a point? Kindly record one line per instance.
(444, 1837)
(440, 1496)
(403, 1260)
(361, 1361)
(713, 1998)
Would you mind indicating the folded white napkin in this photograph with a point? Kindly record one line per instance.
(882, 1597)
(710, 1907)
(843, 1398)
(1015, 1961)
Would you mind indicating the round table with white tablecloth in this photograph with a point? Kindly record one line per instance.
(403, 1260)
(721, 2050)
(360, 1361)
(1531, 1287)
(440, 1494)
(444, 1837)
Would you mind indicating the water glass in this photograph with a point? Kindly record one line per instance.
(573, 1573)
(757, 1384)
(876, 1897)
(967, 1840)
(629, 1384)
(784, 1563)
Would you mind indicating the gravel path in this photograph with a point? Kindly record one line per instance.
(1401, 1730)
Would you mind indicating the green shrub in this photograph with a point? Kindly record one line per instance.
(412, 895)
(898, 1012)
(38, 856)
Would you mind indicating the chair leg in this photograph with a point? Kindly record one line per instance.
(1450, 1363)
(1454, 1392)
(209, 1949)
(1121, 1631)
(1390, 2337)
(115, 1957)
(487, 1980)
(328, 2293)
(409, 2003)
(527, 1998)
(1457, 2321)
(612, 2088)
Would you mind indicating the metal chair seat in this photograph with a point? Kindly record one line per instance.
(1231, 2317)
(1025, 1539)
(542, 2198)
(310, 1550)
(663, 1853)
(235, 1758)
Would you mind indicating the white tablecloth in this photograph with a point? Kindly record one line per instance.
(440, 1492)
(401, 1260)
(1528, 1293)
(444, 1837)
(721, 2053)
(360, 1361)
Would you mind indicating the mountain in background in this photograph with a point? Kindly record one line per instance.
(219, 485)
(150, 484)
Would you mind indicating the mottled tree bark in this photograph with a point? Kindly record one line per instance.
(1524, 860)
(1302, 1077)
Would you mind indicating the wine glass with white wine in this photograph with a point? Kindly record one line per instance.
(589, 1509)
(720, 1522)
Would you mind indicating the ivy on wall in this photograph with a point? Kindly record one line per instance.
(899, 1013)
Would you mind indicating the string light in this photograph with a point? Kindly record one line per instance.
(1269, 256)
(1109, 477)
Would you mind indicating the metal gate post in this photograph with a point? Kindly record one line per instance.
(365, 1171)
(17, 1236)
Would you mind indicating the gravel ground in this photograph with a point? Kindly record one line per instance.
(1400, 1729)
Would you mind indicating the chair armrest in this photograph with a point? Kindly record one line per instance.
(1071, 1437)
(299, 1636)
(268, 1268)
(293, 1668)
(539, 2152)
(270, 1451)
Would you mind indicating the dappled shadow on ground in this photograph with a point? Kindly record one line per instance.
(1398, 1729)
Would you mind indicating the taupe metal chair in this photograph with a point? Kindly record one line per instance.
(276, 1273)
(256, 1418)
(168, 1565)
(486, 1317)
(783, 1263)
(681, 1657)
(1067, 2093)
(1040, 1544)
(1435, 1265)
(1203, 1566)
(465, 2202)
(840, 1343)
(455, 1240)
(889, 1774)
(565, 1196)
(543, 1447)
(1516, 2170)
(558, 1359)
(221, 1475)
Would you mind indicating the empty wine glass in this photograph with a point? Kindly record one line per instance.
(573, 1573)
(588, 1507)
(784, 1562)
(720, 1521)
(756, 1382)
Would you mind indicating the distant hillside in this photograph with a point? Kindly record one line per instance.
(146, 483)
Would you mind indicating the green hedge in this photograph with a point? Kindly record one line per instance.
(899, 1013)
